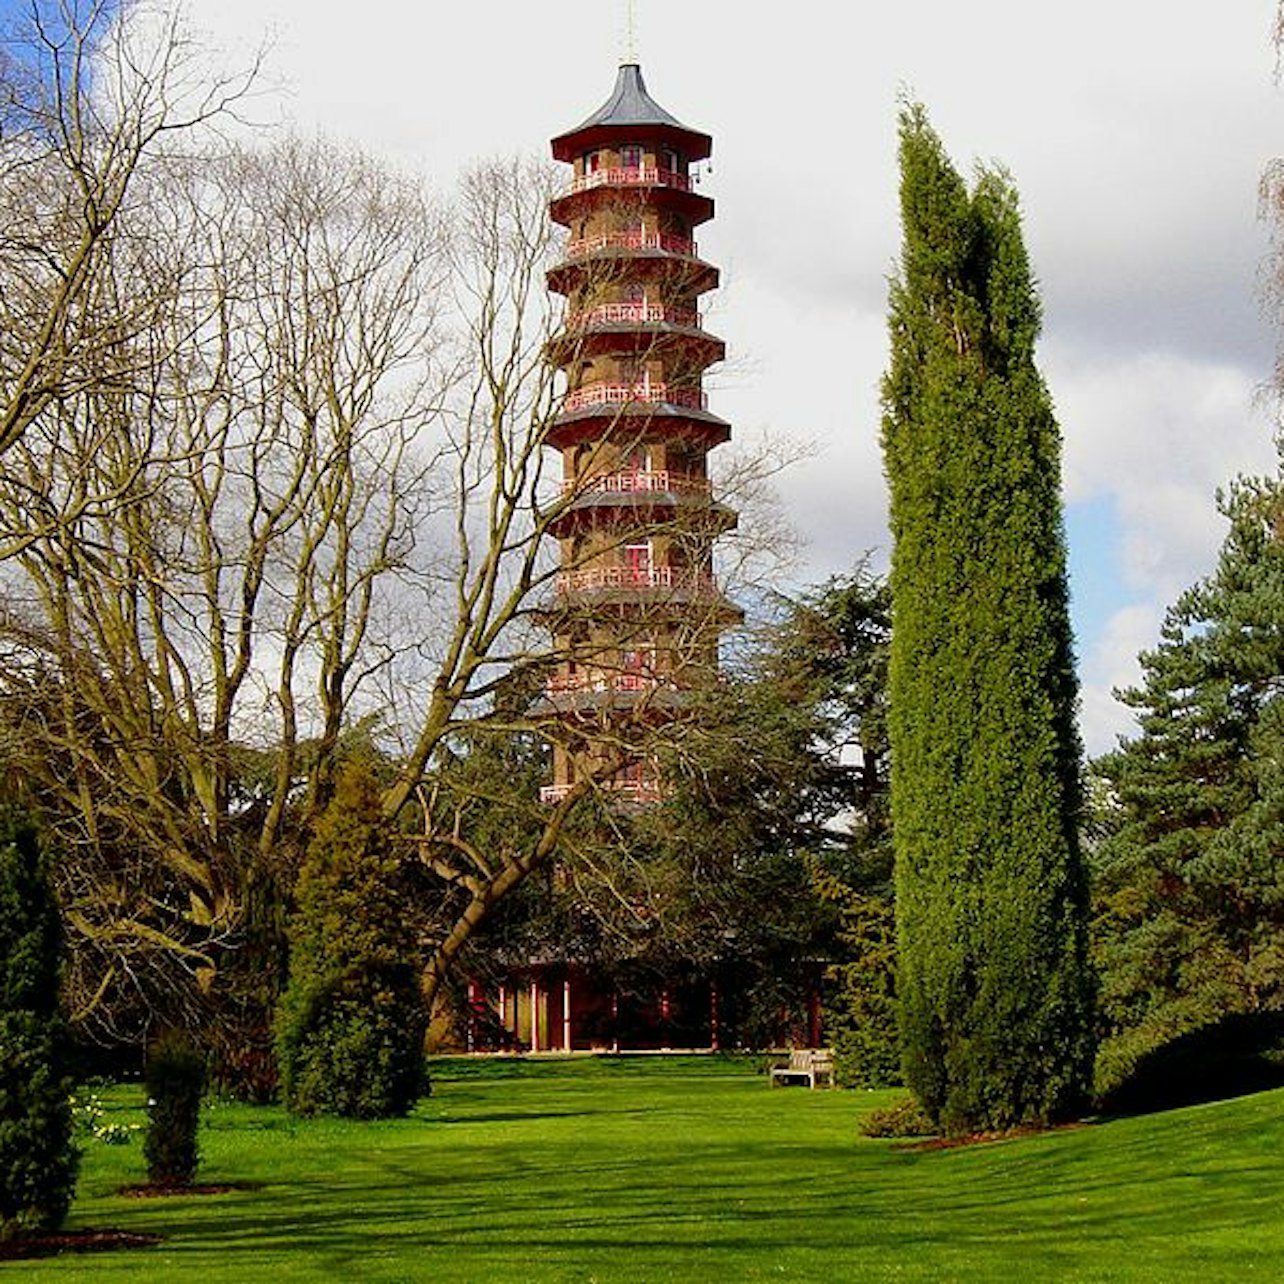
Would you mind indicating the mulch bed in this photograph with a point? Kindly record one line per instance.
(81, 1241)
(159, 1191)
(98, 1241)
(983, 1138)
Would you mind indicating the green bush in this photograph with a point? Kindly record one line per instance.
(903, 1119)
(175, 1078)
(38, 1159)
(350, 1025)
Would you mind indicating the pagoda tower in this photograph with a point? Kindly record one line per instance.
(636, 614)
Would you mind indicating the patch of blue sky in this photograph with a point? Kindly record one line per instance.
(1094, 534)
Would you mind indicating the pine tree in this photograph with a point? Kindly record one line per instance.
(37, 1158)
(994, 990)
(1190, 882)
(350, 1025)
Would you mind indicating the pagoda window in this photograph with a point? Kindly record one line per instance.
(592, 162)
(637, 559)
(638, 661)
(670, 160)
(638, 460)
(630, 156)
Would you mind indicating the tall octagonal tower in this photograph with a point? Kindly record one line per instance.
(637, 612)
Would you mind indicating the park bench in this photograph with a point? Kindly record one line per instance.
(811, 1066)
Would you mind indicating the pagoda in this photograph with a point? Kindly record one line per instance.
(637, 613)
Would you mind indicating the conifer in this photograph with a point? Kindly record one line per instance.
(994, 988)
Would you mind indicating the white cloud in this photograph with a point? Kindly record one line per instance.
(1111, 664)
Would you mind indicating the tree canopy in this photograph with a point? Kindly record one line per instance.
(1190, 871)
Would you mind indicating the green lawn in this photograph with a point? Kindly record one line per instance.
(693, 1169)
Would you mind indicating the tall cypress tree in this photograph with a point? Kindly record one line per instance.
(994, 988)
(38, 1159)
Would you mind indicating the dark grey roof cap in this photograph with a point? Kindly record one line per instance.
(630, 104)
(631, 107)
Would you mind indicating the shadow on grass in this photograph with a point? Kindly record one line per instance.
(1235, 1057)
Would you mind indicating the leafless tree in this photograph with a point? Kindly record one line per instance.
(87, 101)
(274, 480)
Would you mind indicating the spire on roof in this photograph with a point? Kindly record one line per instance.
(631, 107)
(630, 104)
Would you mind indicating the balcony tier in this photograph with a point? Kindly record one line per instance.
(616, 184)
(585, 246)
(633, 314)
(643, 497)
(597, 683)
(624, 394)
(662, 420)
(612, 257)
(639, 793)
(636, 482)
(693, 347)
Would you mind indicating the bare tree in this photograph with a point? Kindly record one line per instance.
(87, 100)
(185, 658)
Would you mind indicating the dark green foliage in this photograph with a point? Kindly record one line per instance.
(175, 1079)
(351, 1023)
(37, 1158)
(1190, 875)
(843, 636)
(994, 989)
(860, 1010)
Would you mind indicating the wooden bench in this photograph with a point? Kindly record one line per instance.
(812, 1066)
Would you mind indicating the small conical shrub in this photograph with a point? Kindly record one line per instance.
(350, 1025)
(175, 1078)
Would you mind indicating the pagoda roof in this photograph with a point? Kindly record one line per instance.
(630, 109)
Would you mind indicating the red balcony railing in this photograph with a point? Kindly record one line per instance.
(636, 240)
(631, 176)
(591, 578)
(621, 394)
(635, 482)
(632, 314)
(633, 791)
(597, 683)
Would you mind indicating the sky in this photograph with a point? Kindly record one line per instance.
(1137, 134)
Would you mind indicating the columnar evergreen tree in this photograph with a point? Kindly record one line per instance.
(1190, 878)
(37, 1158)
(994, 989)
(350, 1026)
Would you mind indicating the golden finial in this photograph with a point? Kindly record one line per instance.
(630, 32)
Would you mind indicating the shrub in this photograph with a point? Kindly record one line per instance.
(903, 1119)
(38, 1159)
(175, 1078)
(350, 1026)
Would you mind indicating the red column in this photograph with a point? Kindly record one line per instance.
(534, 1014)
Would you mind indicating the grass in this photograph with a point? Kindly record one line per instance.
(656, 1169)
